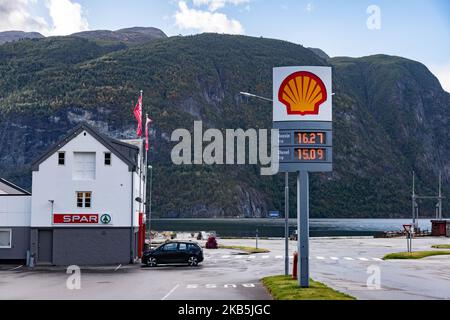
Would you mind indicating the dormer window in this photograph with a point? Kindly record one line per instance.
(107, 158)
(61, 158)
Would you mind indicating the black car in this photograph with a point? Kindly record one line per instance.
(174, 253)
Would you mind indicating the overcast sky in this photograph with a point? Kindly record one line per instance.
(416, 29)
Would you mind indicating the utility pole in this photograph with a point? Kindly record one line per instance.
(414, 201)
(440, 196)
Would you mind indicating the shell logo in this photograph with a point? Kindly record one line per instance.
(302, 93)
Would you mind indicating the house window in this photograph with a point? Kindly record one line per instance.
(5, 238)
(84, 166)
(107, 158)
(84, 199)
(61, 158)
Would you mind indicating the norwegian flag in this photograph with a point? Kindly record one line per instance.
(147, 124)
(138, 116)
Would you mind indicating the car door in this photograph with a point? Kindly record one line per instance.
(183, 252)
(168, 253)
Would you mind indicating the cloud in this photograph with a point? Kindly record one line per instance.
(66, 17)
(214, 5)
(442, 72)
(205, 21)
(14, 15)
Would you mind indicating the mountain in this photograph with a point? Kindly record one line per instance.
(136, 35)
(320, 53)
(11, 36)
(391, 117)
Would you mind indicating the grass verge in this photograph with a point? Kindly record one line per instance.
(414, 255)
(285, 288)
(441, 246)
(248, 250)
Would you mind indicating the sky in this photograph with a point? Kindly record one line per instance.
(415, 29)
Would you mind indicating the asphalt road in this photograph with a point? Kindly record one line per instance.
(344, 264)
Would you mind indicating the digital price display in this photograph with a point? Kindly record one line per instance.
(313, 154)
(308, 148)
(307, 138)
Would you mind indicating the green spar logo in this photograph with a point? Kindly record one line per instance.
(105, 219)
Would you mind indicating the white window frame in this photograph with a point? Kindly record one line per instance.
(10, 239)
(110, 158)
(65, 158)
(84, 199)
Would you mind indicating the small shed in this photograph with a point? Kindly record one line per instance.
(440, 228)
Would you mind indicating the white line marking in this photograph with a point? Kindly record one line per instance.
(225, 257)
(377, 259)
(363, 259)
(16, 268)
(238, 257)
(252, 257)
(170, 292)
(118, 267)
(265, 257)
(279, 257)
(334, 258)
(349, 259)
(320, 258)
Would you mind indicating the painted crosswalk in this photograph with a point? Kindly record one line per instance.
(265, 257)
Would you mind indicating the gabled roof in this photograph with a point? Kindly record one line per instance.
(10, 185)
(126, 152)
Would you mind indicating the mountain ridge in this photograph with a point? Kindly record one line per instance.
(390, 118)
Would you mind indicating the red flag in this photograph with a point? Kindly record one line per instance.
(138, 116)
(147, 124)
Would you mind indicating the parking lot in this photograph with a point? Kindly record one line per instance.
(344, 264)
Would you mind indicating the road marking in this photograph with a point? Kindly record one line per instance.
(118, 267)
(279, 257)
(238, 257)
(349, 259)
(377, 259)
(363, 259)
(16, 268)
(225, 257)
(170, 292)
(320, 258)
(334, 258)
(265, 257)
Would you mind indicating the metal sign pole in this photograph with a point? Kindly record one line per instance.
(303, 227)
(286, 224)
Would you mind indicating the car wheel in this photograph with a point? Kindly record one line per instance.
(151, 262)
(193, 261)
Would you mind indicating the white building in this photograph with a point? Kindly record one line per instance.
(87, 201)
(15, 218)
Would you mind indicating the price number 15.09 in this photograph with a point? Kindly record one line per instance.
(310, 154)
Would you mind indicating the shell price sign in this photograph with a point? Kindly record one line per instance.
(303, 113)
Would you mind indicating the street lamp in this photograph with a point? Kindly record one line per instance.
(286, 199)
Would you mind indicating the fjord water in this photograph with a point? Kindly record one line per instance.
(275, 227)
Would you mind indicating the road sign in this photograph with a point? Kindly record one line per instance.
(303, 113)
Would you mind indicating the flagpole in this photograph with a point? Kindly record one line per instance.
(147, 205)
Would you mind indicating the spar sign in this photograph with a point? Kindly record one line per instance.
(81, 219)
(303, 113)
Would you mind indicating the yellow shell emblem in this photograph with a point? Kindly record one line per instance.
(302, 93)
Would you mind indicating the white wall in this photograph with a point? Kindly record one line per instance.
(111, 189)
(15, 211)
